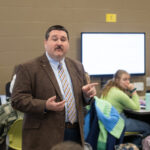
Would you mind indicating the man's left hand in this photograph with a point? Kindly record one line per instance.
(89, 90)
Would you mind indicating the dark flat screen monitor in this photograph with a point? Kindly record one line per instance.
(103, 53)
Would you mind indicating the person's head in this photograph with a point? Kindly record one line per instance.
(87, 77)
(121, 79)
(56, 42)
(67, 145)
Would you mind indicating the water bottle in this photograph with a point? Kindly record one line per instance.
(147, 99)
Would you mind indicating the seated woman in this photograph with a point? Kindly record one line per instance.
(116, 92)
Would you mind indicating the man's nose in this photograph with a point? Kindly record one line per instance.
(59, 42)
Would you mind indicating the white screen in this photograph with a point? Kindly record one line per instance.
(105, 53)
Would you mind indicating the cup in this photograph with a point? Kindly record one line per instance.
(147, 99)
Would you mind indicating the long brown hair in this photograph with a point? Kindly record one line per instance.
(113, 82)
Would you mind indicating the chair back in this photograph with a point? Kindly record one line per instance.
(15, 135)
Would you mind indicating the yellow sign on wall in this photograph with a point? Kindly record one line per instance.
(111, 17)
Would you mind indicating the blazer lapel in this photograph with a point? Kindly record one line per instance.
(49, 71)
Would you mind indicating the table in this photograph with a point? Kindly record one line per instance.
(142, 114)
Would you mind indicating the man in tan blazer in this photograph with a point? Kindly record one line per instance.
(39, 94)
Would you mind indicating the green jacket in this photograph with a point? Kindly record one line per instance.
(120, 100)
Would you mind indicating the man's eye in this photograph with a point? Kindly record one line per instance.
(63, 39)
(54, 39)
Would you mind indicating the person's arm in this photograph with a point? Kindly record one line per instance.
(132, 89)
(89, 90)
(25, 97)
(126, 101)
(12, 83)
(22, 96)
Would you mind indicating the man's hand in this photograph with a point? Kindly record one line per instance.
(51, 104)
(89, 90)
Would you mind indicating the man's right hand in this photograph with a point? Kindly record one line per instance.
(51, 104)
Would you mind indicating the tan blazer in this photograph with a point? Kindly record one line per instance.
(35, 83)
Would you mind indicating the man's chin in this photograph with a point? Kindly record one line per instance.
(59, 57)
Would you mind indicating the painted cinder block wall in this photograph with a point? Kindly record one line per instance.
(23, 25)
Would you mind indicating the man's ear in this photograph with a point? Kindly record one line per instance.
(45, 44)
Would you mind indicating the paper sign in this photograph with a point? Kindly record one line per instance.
(111, 17)
(139, 86)
(147, 81)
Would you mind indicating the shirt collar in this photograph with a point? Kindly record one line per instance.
(53, 62)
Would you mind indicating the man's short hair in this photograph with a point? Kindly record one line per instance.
(56, 27)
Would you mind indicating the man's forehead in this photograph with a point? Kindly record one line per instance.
(58, 33)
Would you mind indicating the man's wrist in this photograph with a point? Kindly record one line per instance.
(45, 110)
